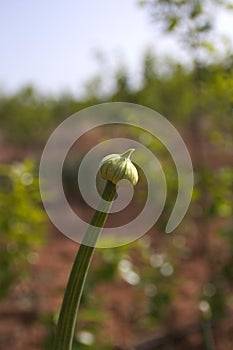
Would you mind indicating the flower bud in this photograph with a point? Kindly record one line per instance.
(116, 167)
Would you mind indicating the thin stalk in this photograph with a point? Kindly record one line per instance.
(68, 314)
(208, 335)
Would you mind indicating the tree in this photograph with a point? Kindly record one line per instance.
(190, 20)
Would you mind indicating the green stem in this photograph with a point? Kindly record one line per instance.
(208, 335)
(74, 289)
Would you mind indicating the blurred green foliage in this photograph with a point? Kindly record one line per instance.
(22, 221)
(190, 20)
(27, 118)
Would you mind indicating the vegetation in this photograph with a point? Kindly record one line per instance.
(22, 221)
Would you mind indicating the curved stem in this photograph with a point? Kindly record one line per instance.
(74, 289)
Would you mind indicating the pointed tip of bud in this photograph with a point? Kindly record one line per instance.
(128, 153)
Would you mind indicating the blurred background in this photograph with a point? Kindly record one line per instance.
(174, 56)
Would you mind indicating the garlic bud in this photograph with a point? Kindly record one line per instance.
(116, 167)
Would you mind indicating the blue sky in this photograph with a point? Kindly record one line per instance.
(54, 44)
